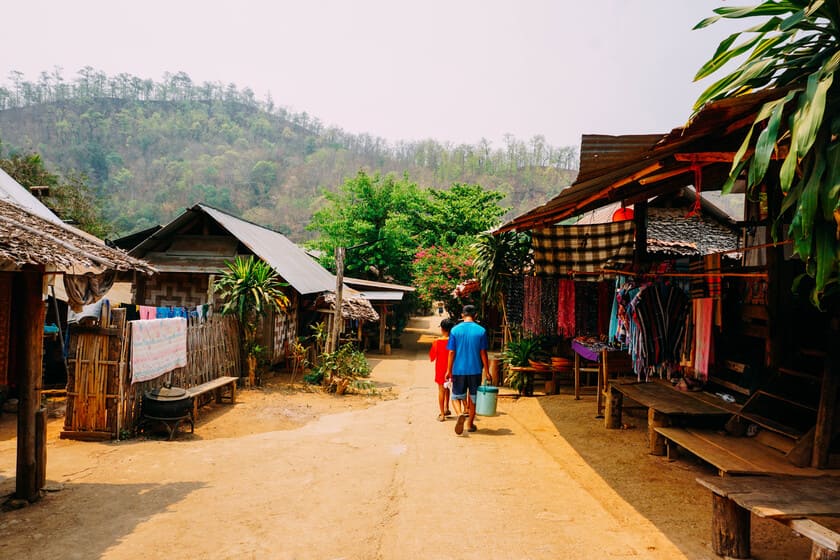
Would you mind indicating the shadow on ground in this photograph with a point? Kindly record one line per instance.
(116, 510)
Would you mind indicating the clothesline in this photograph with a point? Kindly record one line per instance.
(665, 274)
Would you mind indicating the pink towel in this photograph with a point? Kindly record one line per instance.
(703, 309)
(147, 312)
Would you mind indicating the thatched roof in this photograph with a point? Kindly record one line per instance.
(353, 307)
(26, 238)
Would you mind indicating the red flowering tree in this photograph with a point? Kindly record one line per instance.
(438, 271)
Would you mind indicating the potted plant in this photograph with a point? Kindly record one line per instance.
(517, 354)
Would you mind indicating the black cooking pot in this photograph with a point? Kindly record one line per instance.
(167, 402)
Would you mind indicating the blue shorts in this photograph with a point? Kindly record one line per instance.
(461, 384)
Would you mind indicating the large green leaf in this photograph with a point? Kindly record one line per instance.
(767, 140)
(722, 58)
(826, 257)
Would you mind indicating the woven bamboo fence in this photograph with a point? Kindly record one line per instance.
(101, 400)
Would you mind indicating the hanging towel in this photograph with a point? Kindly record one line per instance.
(157, 346)
(703, 311)
(164, 313)
(178, 312)
(147, 312)
(566, 307)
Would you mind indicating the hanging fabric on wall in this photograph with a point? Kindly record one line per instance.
(548, 307)
(582, 248)
(586, 309)
(514, 299)
(157, 346)
(703, 311)
(531, 311)
(566, 307)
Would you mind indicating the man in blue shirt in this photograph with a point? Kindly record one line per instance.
(467, 364)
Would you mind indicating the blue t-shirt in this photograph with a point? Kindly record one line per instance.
(467, 339)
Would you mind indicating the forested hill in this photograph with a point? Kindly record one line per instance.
(150, 149)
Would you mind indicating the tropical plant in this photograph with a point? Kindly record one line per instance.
(499, 255)
(249, 289)
(796, 50)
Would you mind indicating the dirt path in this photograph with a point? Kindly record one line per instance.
(304, 475)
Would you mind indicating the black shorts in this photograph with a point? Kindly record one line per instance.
(461, 384)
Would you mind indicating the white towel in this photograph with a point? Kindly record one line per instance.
(157, 346)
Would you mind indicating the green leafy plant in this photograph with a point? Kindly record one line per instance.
(249, 288)
(795, 50)
(518, 353)
(338, 370)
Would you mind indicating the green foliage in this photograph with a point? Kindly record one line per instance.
(340, 369)
(250, 288)
(499, 255)
(151, 148)
(462, 210)
(380, 216)
(437, 270)
(517, 353)
(794, 49)
(69, 196)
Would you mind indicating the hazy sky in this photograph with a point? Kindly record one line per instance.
(453, 70)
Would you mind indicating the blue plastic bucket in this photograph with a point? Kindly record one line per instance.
(485, 402)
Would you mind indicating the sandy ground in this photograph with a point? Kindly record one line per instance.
(296, 474)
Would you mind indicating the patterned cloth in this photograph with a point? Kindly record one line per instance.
(588, 248)
(566, 307)
(548, 307)
(533, 299)
(157, 346)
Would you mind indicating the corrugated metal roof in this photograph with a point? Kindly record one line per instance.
(717, 125)
(290, 261)
(374, 284)
(373, 295)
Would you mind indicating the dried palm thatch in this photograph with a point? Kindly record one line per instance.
(26, 238)
(356, 307)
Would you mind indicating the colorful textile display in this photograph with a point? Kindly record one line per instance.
(703, 310)
(566, 307)
(157, 346)
(514, 299)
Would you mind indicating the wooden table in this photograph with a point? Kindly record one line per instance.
(790, 500)
(662, 401)
(548, 372)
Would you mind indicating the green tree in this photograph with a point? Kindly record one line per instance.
(69, 196)
(795, 48)
(462, 210)
(378, 216)
(495, 256)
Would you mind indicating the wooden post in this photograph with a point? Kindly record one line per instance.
(824, 431)
(577, 376)
(338, 318)
(28, 288)
(612, 415)
(657, 442)
(41, 448)
(730, 528)
(383, 320)
(819, 552)
(600, 383)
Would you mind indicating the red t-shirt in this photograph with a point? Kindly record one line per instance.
(440, 356)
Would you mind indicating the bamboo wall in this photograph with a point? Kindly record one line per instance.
(102, 401)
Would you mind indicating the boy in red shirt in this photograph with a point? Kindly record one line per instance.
(440, 356)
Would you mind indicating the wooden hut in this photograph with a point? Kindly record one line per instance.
(35, 248)
(191, 251)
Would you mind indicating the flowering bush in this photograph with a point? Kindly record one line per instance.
(438, 270)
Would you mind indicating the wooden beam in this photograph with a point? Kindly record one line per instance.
(830, 389)
(664, 175)
(723, 157)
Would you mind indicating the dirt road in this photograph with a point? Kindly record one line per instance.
(380, 479)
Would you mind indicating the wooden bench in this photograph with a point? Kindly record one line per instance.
(730, 455)
(663, 403)
(792, 501)
(214, 387)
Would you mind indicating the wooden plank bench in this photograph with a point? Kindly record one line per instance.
(216, 388)
(792, 501)
(730, 455)
(663, 403)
